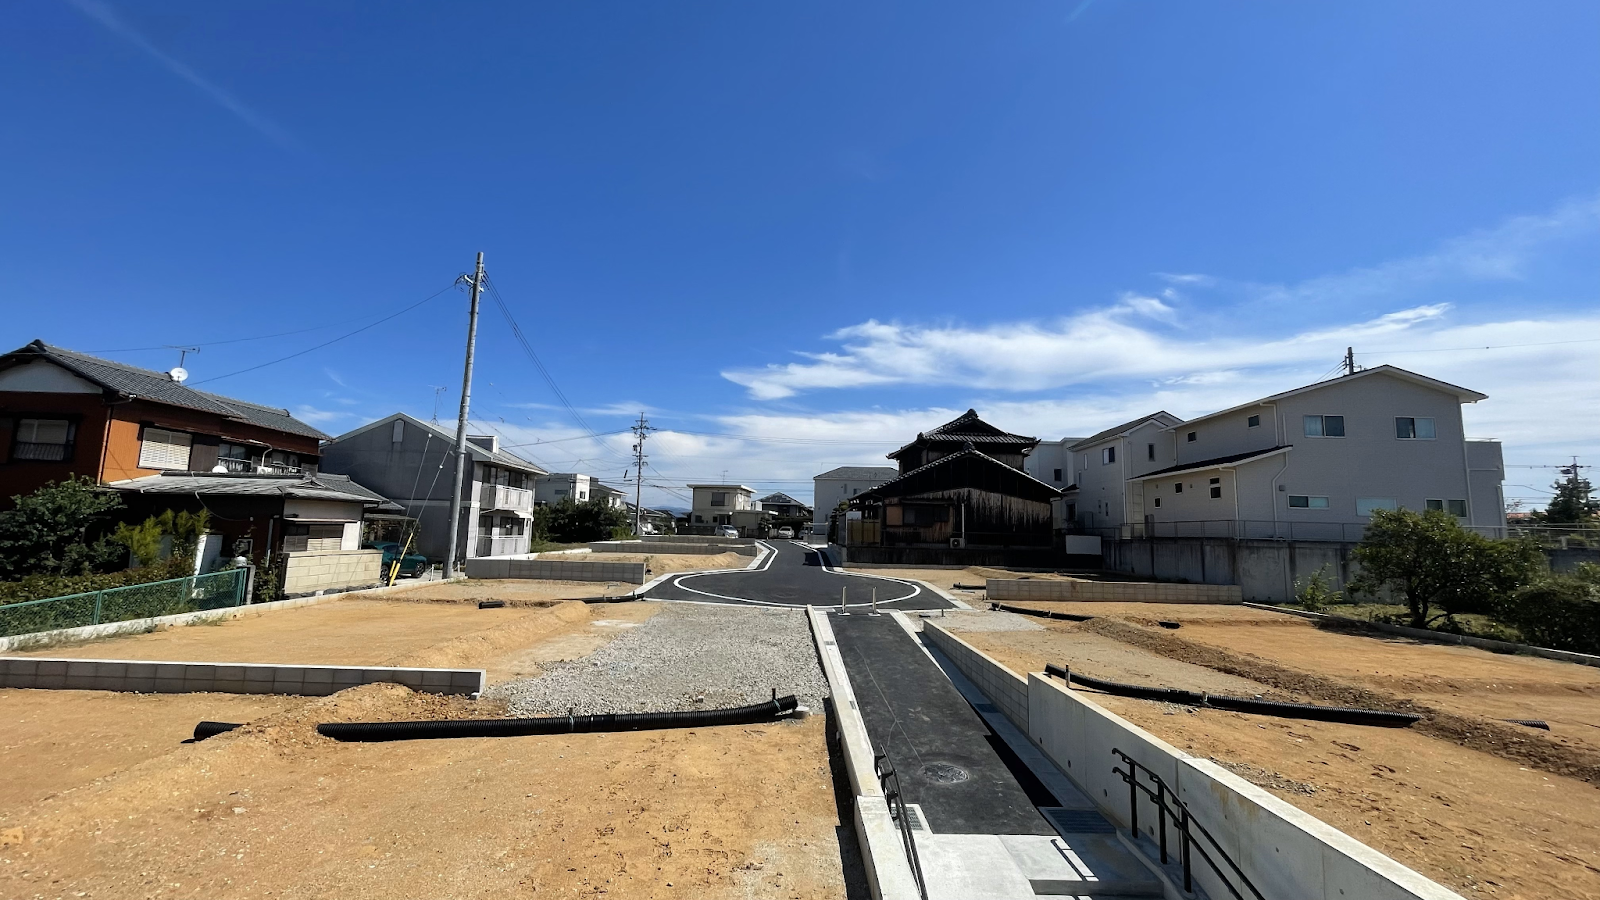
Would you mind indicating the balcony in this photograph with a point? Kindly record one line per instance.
(501, 546)
(499, 496)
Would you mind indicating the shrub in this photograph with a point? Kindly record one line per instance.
(59, 530)
(1315, 593)
(1561, 612)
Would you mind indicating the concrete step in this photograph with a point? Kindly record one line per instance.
(1078, 865)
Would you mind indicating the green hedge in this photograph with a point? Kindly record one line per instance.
(1560, 612)
(40, 587)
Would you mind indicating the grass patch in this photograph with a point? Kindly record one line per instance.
(1469, 624)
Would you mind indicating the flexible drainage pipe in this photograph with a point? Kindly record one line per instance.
(1344, 714)
(456, 728)
(1041, 613)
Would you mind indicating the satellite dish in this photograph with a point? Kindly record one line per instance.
(178, 374)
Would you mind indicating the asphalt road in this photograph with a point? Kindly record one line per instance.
(794, 575)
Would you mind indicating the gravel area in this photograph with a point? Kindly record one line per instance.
(685, 657)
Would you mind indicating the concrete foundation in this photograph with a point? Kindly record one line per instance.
(224, 678)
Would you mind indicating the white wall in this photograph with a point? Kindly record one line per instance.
(43, 377)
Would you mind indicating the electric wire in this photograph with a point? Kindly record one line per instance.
(348, 334)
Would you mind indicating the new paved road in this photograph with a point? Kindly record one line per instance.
(794, 574)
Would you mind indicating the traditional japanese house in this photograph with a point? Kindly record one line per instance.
(961, 487)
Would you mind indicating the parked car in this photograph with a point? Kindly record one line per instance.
(727, 531)
(412, 565)
(786, 533)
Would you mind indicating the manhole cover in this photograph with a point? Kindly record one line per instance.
(944, 773)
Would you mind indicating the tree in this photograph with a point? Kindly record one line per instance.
(568, 521)
(144, 540)
(1433, 563)
(59, 530)
(1574, 502)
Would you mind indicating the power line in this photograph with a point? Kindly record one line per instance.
(336, 340)
(1488, 347)
(774, 440)
(516, 331)
(259, 337)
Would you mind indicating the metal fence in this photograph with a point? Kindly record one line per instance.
(217, 590)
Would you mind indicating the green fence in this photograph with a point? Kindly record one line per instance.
(139, 601)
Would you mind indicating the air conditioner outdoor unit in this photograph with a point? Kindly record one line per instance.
(957, 543)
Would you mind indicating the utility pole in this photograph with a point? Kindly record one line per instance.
(476, 283)
(640, 429)
(1349, 360)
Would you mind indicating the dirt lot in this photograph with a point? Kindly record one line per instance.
(276, 810)
(1476, 821)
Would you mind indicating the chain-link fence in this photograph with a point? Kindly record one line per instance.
(140, 601)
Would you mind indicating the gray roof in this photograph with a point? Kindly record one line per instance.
(781, 498)
(965, 453)
(479, 453)
(1124, 427)
(157, 387)
(320, 486)
(861, 473)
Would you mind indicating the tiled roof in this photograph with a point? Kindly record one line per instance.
(862, 473)
(500, 457)
(1118, 429)
(963, 428)
(781, 498)
(157, 387)
(945, 460)
(320, 486)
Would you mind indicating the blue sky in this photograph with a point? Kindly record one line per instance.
(819, 226)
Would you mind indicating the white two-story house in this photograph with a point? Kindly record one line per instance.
(1313, 463)
(1097, 499)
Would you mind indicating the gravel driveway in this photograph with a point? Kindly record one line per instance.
(685, 657)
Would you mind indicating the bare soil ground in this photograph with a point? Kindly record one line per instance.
(1458, 808)
(276, 810)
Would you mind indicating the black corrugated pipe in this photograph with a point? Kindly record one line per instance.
(1344, 714)
(457, 728)
(1041, 613)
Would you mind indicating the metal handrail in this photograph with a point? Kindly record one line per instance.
(1160, 795)
(889, 781)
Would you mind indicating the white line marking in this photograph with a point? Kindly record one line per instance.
(771, 557)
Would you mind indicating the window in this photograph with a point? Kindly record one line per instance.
(281, 462)
(1457, 508)
(1366, 505)
(561, 492)
(1301, 501)
(1407, 428)
(1216, 489)
(719, 498)
(1253, 422)
(235, 457)
(49, 440)
(162, 449)
(1158, 503)
(1150, 452)
(1108, 456)
(1324, 426)
(1177, 488)
(1191, 437)
(1058, 474)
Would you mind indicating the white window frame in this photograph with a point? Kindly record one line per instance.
(1215, 485)
(1366, 506)
(1108, 455)
(1416, 428)
(1253, 422)
(161, 449)
(1311, 502)
(1322, 425)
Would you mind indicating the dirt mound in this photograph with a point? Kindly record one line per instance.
(1510, 742)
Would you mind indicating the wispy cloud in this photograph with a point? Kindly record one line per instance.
(107, 17)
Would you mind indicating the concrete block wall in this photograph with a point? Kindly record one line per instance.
(703, 549)
(309, 571)
(1004, 688)
(223, 678)
(1003, 589)
(1284, 851)
(694, 539)
(555, 569)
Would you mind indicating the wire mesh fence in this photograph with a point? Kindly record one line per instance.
(217, 590)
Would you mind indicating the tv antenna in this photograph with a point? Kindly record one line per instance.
(178, 373)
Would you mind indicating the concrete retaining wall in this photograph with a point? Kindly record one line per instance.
(554, 569)
(1003, 589)
(223, 678)
(309, 571)
(694, 539)
(1004, 688)
(1283, 851)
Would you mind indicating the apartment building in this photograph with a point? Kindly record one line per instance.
(555, 487)
(837, 485)
(413, 463)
